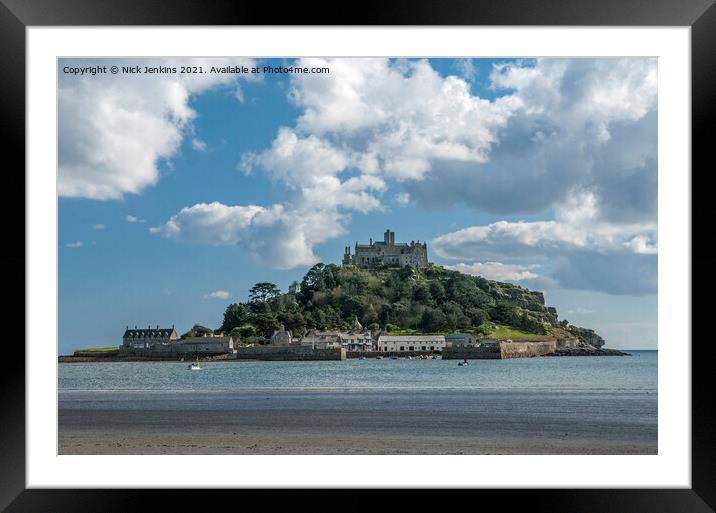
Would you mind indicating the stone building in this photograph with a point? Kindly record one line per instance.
(318, 339)
(460, 339)
(159, 339)
(388, 252)
(208, 344)
(281, 337)
(354, 340)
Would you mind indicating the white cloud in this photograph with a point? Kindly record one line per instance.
(217, 294)
(99, 226)
(133, 219)
(577, 227)
(402, 199)
(274, 236)
(497, 271)
(466, 68)
(239, 94)
(585, 251)
(198, 144)
(576, 136)
(77, 244)
(114, 129)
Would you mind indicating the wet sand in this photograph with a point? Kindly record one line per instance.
(357, 422)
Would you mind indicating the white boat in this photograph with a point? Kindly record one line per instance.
(195, 365)
(463, 363)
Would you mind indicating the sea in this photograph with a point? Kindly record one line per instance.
(636, 373)
(596, 400)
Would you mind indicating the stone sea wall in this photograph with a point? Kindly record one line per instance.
(288, 353)
(504, 350)
(527, 349)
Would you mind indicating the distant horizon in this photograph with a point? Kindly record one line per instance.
(177, 192)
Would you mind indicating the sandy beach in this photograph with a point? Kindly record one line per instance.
(365, 422)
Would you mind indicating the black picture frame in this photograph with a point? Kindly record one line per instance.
(16, 15)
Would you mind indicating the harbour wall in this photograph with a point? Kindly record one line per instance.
(289, 353)
(503, 350)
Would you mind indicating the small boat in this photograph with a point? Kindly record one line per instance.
(463, 363)
(393, 357)
(194, 365)
(378, 357)
(362, 358)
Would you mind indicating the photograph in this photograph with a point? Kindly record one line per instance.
(357, 255)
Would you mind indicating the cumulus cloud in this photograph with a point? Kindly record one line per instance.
(77, 244)
(133, 219)
(115, 129)
(218, 294)
(576, 124)
(497, 271)
(99, 226)
(585, 251)
(274, 236)
(576, 137)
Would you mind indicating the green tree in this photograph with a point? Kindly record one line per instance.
(263, 292)
(235, 315)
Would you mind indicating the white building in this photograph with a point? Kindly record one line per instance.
(403, 343)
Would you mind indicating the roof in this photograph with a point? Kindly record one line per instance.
(415, 338)
(459, 335)
(149, 333)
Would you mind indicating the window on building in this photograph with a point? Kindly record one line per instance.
(402, 348)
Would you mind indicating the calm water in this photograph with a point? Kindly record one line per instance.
(590, 400)
(637, 373)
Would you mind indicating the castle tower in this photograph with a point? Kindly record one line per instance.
(389, 237)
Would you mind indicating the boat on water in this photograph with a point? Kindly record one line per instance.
(378, 357)
(195, 365)
(463, 363)
(393, 357)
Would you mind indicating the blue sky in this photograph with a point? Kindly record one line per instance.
(177, 193)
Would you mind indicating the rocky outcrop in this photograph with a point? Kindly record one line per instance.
(586, 336)
(588, 351)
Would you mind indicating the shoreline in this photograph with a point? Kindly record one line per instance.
(231, 358)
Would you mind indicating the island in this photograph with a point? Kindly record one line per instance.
(384, 300)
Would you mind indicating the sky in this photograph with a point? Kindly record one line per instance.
(178, 191)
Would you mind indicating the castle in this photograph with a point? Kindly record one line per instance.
(388, 252)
